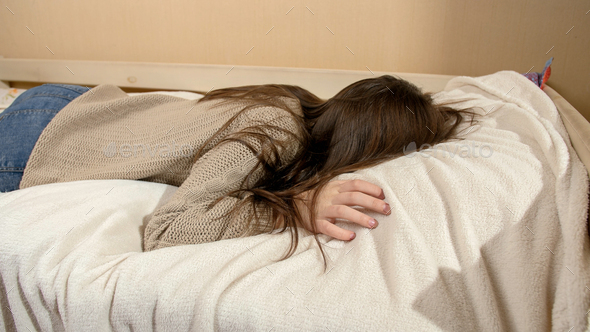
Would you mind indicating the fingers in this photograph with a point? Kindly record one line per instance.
(350, 214)
(334, 231)
(363, 200)
(336, 205)
(362, 186)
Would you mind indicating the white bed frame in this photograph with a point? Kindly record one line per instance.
(193, 77)
(203, 78)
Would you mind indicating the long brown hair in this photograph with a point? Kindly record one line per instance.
(366, 123)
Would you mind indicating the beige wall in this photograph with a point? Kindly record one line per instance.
(455, 37)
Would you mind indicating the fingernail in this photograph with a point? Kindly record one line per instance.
(373, 223)
(382, 196)
(352, 236)
(386, 208)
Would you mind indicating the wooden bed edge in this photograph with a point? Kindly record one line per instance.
(199, 78)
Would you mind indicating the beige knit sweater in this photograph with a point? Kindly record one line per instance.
(106, 134)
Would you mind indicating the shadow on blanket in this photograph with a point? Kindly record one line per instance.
(168, 192)
(9, 324)
(508, 290)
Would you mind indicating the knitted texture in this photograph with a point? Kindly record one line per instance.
(106, 134)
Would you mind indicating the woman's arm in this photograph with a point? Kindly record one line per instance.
(185, 218)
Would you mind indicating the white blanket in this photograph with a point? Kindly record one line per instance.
(487, 233)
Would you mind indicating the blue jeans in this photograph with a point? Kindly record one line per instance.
(21, 125)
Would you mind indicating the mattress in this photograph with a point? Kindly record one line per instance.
(486, 233)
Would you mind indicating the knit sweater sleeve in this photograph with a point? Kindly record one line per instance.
(186, 218)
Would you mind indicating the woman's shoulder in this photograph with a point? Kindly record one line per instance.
(292, 103)
(272, 108)
(281, 112)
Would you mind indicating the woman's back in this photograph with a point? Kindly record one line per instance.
(105, 134)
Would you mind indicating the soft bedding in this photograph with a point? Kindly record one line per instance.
(486, 233)
(7, 96)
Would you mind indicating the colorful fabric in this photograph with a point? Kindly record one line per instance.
(540, 78)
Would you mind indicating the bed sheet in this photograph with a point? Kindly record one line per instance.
(486, 233)
(7, 96)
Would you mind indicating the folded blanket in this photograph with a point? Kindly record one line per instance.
(486, 233)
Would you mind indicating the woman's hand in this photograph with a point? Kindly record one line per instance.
(335, 201)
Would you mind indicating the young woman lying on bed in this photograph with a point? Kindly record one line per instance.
(247, 160)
